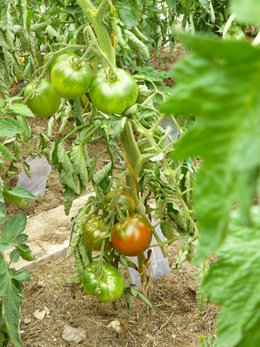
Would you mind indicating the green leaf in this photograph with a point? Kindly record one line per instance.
(77, 156)
(20, 110)
(220, 84)
(25, 252)
(6, 152)
(68, 176)
(69, 196)
(11, 299)
(12, 228)
(247, 11)
(207, 5)
(18, 196)
(2, 206)
(9, 127)
(233, 281)
(103, 173)
(127, 14)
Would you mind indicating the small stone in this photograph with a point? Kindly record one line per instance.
(116, 325)
(27, 320)
(39, 314)
(71, 334)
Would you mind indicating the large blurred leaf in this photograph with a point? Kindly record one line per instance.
(247, 11)
(233, 281)
(220, 84)
(10, 279)
(9, 127)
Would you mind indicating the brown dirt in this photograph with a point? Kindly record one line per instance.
(174, 321)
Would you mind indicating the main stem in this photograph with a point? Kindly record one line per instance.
(96, 18)
(134, 158)
(126, 138)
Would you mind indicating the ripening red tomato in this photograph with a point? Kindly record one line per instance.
(132, 236)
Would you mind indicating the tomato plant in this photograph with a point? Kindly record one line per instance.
(113, 92)
(70, 77)
(42, 99)
(106, 282)
(132, 236)
(126, 202)
(94, 233)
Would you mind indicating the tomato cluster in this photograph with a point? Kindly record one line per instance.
(130, 236)
(110, 92)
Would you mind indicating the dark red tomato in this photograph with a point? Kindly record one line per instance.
(70, 77)
(43, 101)
(94, 233)
(113, 94)
(126, 202)
(106, 283)
(132, 236)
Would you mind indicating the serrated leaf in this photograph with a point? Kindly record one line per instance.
(2, 206)
(101, 174)
(25, 252)
(127, 14)
(247, 11)
(6, 152)
(69, 196)
(20, 110)
(76, 230)
(233, 281)
(77, 156)
(18, 196)
(219, 84)
(68, 176)
(207, 5)
(9, 127)
(12, 229)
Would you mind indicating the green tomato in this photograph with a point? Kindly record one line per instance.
(115, 94)
(94, 233)
(106, 283)
(126, 202)
(54, 59)
(43, 101)
(70, 78)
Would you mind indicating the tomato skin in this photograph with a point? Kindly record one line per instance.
(113, 96)
(94, 233)
(44, 102)
(132, 236)
(107, 284)
(69, 78)
(125, 201)
(60, 57)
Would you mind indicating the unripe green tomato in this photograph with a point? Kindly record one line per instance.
(94, 233)
(71, 78)
(126, 202)
(44, 102)
(60, 57)
(113, 94)
(106, 283)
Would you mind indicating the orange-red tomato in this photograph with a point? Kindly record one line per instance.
(132, 236)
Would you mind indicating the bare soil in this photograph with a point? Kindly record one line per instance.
(174, 321)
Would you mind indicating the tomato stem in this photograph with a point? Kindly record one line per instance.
(96, 17)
